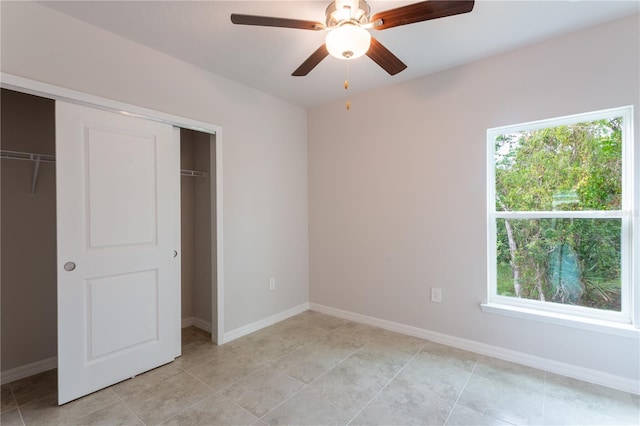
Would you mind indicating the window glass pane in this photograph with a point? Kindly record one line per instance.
(569, 261)
(572, 167)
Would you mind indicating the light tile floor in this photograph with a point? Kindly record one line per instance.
(314, 369)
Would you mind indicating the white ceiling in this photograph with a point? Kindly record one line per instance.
(201, 33)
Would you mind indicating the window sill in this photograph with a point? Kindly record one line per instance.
(600, 326)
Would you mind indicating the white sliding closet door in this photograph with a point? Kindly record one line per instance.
(118, 215)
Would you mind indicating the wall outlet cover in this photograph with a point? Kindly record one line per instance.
(436, 295)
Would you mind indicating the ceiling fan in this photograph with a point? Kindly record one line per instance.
(348, 22)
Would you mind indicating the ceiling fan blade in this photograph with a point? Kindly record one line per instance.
(383, 57)
(311, 62)
(268, 21)
(423, 11)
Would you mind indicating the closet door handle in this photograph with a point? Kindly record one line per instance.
(175, 253)
(69, 266)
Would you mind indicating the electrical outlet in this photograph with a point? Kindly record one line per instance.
(436, 295)
(272, 284)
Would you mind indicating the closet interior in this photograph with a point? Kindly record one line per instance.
(27, 232)
(198, 268)
(28, 265)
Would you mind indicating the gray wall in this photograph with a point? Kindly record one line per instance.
(398, 190)
(264, 144)
(28, 233)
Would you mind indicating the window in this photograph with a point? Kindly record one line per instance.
(560, 204)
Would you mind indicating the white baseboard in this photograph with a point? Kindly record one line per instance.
(197, 322)
(202, 324)
(266, 322)
(581, 373)
(27, 370)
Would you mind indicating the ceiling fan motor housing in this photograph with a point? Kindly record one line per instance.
(347, 11)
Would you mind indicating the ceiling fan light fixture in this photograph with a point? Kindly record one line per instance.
(348, 41)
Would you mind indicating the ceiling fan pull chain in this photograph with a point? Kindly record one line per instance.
(346, 85)
(346, 81)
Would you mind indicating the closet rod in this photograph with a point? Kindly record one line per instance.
(40, 158)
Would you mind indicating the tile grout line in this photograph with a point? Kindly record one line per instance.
(387, 384)
(180, 369)
(127, 405)
(121, 398)
(282, 402)
(260, 369)
(337, 364)
(368, 341)
(240, 406)
(307, 385)
(13, 395)
(198, 401)
(461, 392)
(223, 387)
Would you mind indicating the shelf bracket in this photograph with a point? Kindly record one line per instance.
(36, 170)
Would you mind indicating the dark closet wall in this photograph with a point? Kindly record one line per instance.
(28, 233)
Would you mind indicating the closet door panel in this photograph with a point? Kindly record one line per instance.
(134, 296)
(122, 205)
(118, 220)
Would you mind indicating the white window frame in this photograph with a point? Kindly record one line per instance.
(583, 317)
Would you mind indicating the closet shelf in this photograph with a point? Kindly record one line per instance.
(43, 158)
(28, 156)
(193, 173)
